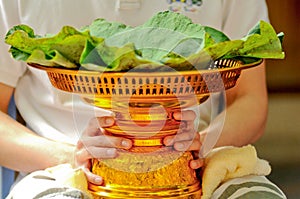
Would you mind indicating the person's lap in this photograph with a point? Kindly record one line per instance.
(42, 184)
(252, 186)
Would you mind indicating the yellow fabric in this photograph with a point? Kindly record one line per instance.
(226, 163)
(61, 178)
(64, 174)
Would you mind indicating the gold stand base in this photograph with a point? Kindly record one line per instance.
(160, 173)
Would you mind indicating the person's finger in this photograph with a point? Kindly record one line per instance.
(188, 127)
(193, 145)
(185, 136)
(196, 164)
(87, 153)
(186, 115)
(107, 141)
(170, 140)
(93, 178)
(81, 154)
(102, 153)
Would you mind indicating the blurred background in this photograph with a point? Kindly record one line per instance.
(281, 143)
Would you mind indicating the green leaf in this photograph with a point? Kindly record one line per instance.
(54, 59)
(68, 43)
(109, 58)
(264, 45)
(104, 29)
(216, 35)
(18, 54)
(22, 27)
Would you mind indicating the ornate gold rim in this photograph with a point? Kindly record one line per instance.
(148, 74)
(141, 85)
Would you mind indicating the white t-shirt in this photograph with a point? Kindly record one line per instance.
(62, 116)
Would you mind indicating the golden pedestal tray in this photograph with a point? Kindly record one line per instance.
(143, 103)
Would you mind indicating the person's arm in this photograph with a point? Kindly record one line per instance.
(246, 111)
(21, 149)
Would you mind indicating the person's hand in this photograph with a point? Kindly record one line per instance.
(187, 138)
(95, 144)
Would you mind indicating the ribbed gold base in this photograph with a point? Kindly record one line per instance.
(122, 192)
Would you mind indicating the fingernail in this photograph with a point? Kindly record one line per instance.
(125, 143)
(168, 141)
(194, 165)
(176, 115)
(111, 152)
(98, 180)
(179, 146)
(109, 121)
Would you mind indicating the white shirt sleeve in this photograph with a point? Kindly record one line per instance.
(10, 69)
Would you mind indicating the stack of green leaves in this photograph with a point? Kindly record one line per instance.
(167, 38)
